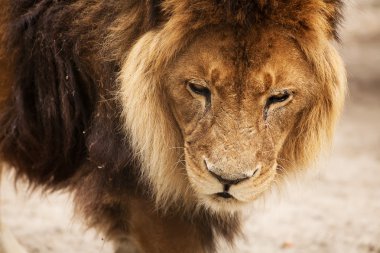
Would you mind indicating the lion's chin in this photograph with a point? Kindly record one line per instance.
(224, 205)
(233, 201)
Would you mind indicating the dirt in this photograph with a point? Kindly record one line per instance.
(336, 210)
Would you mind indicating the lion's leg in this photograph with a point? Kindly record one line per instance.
(154, 232)
(151, 232)
(126, 246)
(8, 243)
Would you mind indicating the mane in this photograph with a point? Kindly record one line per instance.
(82, 92)
(58, 116)
(310, 24)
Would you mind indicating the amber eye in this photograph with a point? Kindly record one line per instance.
(198, 89)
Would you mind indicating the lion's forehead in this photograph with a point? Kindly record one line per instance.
(253, 63)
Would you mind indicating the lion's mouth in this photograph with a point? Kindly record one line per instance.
(224, 195)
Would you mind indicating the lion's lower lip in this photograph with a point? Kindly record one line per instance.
(224, 195)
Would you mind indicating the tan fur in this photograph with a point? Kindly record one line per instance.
(156, 151)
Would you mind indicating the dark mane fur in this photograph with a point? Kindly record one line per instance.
(63, 83)
(60, 124)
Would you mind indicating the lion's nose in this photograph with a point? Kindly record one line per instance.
(230, 179)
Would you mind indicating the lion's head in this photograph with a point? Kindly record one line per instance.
(218, 110)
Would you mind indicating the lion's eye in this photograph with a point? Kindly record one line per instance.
(198, 89)
(278, 98)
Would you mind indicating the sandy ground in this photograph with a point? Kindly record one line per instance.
(335, 211)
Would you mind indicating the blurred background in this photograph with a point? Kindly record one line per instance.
(336, 211)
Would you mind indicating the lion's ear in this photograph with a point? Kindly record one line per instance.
(322, 16)
(333, 13)
(325, 17)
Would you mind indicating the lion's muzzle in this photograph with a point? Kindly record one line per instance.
(229, 179)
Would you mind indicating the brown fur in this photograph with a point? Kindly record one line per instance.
(91, 102)
(4, 64)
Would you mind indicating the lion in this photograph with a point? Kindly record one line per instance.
(165, 118)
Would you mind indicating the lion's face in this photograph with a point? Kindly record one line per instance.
(236, 99)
